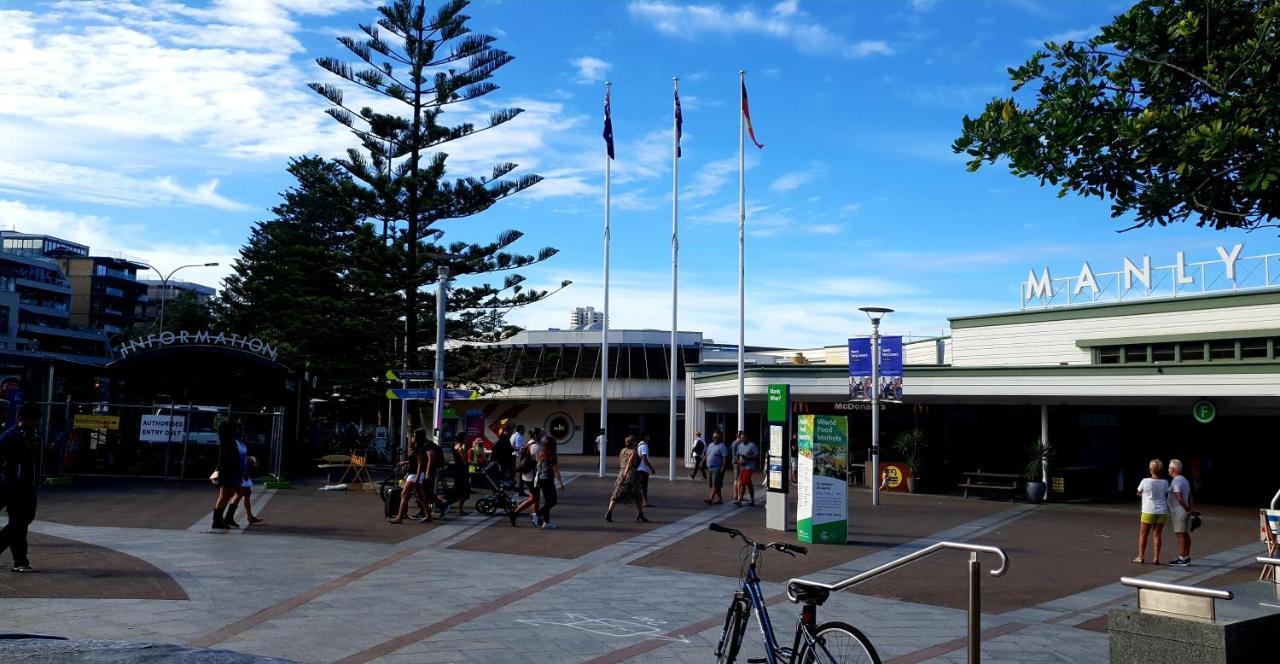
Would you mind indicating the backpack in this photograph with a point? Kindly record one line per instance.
(525, 463)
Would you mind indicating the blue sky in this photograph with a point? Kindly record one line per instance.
(162, 130)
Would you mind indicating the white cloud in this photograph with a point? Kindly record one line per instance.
(792, 181)
(818, 311)
(1081, 35)
(953, 96)
(590, 70)
(105, 236)
(923, 5)
(67, 181)
(823, 229)
(785, 21)
(850, 208)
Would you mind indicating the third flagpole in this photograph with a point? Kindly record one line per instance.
(742, 223)
(676, 121)
(604, 326)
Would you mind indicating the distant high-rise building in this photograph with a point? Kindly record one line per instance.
(149, 309)
(585, 317)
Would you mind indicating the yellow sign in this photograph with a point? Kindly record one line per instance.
(893, 476)
(108, 422)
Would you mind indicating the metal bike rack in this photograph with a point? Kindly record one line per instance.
(1176, 600)
(974, 645)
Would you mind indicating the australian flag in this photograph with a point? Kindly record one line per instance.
(608, 125)
(679, 124)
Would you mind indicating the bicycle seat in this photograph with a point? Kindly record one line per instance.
(805, 594)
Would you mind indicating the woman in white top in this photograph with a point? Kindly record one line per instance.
(1155, 510)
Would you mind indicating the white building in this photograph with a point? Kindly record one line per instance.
(583, 318)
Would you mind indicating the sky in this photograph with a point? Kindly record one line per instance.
(162, 130)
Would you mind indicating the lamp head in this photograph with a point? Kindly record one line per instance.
(210, 265)
(875, 313)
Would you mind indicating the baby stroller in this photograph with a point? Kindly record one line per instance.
(499, 498)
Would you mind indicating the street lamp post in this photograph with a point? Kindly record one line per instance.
(875, 314)
(164, 283)
(442, 293)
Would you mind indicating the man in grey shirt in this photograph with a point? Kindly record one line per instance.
(1179, 512)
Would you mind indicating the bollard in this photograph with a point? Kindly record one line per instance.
(975, 609)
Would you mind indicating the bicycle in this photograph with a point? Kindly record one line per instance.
(829, 643)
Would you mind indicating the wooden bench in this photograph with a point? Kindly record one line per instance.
(991, 482)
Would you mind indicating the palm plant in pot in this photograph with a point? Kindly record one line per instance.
(911, 445)
(1040, 454)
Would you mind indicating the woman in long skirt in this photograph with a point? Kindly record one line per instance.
(626, 489)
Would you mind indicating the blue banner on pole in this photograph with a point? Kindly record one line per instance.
(890, 368)
(860, 369)
(890, 385)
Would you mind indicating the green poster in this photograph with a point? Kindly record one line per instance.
(822, 509)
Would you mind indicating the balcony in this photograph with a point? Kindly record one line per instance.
(52, 286)
(113, 292)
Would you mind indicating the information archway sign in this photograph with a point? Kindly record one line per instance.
(823, 515)
(430, 393)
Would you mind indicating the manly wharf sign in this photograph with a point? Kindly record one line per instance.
(1230, 271)
(169, 339)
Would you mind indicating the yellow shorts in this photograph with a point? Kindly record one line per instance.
(1154, 519)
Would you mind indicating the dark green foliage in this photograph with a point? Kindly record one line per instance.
(426, 61)
(315, 282)
(1171, 113)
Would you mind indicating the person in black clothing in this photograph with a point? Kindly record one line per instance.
(230, 475)
(504, 454)
(17, 488)
(699, 463)
(434, 464)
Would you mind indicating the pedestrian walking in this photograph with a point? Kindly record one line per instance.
(244, 492)
(1180, 512)
(504, 454)
(716, 461)
(527, 470)
(747, 454)
(1154, 491)
(415, 481)
(17, 487)
(433, 466)
(546, 478)
(626, 489)
(228, 476)
(461, 475)
(699, 452)
(518, 443)
(645, 468)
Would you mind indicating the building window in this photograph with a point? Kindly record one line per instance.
(1163, 352)
(1109, 355)
(1222, 349)
(1192, 351)
(1135, 354)
(1253, 349)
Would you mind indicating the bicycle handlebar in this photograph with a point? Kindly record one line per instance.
(784, 547)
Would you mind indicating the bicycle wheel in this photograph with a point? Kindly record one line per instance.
(735, 625)
(839, 643)
(486, 507)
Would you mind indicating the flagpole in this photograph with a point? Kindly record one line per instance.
(604, 327)
(742, 222)
(675, 269)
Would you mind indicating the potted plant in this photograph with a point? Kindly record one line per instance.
(1040, 454)
(911, 445)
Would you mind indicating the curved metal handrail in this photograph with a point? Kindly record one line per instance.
(1268, 561)
(906, 560)
(1175, 588)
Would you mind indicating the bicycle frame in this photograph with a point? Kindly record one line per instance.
(755, 597)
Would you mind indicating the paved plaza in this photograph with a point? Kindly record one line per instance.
(326, 579)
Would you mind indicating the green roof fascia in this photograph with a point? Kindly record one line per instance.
(1111, 309)
(1169, 338)
(1200, 369)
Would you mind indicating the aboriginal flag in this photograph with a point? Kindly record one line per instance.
(746, 114)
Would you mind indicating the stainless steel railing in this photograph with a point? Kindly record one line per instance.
(1175, 588)
(974, 645)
